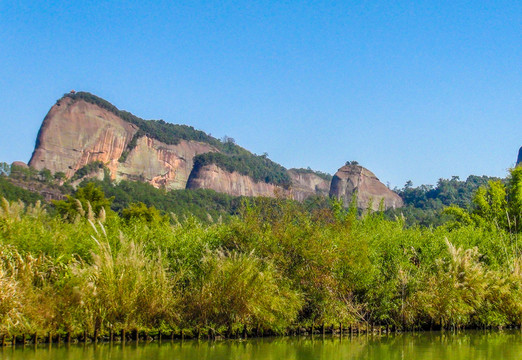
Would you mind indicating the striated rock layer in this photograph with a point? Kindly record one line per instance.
(305, 185)
(159, 164)
(235, 184)
(75, 133)
(352, 179)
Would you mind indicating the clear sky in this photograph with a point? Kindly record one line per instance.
(416, 90)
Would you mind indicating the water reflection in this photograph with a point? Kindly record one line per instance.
(430, 346)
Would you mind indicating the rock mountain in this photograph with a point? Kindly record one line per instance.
(370, 191)
(81, 129)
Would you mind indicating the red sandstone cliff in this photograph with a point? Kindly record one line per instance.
(75, 133)
(352, 179)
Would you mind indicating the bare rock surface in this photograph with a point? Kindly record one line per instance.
(75, 133)
(352, 179)
(306, 184)
(232, 183)
(159, 164)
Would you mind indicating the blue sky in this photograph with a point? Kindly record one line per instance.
(416, 90)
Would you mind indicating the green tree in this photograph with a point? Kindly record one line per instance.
(495, 205)
(88, 201)
(142, 212)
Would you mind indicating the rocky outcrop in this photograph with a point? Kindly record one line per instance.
(306, 184)
(98, 174)
(75, 133)
(20, 164)
(352, 179)
(159, 164)
(80, 130)
(235, 184)
(47, 191)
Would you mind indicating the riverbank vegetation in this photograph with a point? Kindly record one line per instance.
(277, 266)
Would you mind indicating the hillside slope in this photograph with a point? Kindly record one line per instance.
(83, 129)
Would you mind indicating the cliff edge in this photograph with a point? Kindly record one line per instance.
(355, 179)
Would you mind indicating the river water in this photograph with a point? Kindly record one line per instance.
(474, 345)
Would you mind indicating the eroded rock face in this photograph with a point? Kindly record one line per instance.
(20, 164)
(235, 184)
(355, 178)
(75, 133)
(159, 164)
(305, 185)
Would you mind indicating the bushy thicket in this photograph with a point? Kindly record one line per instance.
(275, 266)
(87, 170)
(203, 204)
(12, 192)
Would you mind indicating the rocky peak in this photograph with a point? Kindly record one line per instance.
(82, 129)
(351, 179)
(76, 132)
(307, 183)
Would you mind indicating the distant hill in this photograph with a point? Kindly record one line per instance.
(85, 136)
(82, 128)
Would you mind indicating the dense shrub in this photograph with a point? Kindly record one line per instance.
(276, 265)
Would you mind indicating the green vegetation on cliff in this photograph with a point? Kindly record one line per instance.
(321, 174)
(156, 129)
(232, 157)
(259, 168)
(88, 170)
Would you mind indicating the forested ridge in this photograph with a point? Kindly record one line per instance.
(424, 204)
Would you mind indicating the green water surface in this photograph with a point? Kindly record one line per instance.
(465, 345)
